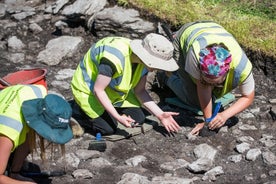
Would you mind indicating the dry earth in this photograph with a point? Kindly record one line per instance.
(155, 145)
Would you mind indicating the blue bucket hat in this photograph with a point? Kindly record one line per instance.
(49, 117)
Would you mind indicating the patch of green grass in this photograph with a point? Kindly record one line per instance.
(123, 2)
(252, 22)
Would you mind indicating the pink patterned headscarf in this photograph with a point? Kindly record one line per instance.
(214, 61)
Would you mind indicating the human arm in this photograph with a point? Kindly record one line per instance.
(241, 104)
(6, 146)
(204, 93)
(247, 89)
(101, 83)
(166, 118)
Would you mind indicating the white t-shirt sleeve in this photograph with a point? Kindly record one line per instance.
(191, 64)
(248, 85)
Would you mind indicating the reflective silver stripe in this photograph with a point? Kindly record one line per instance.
(239, 69)
(112, 50)
(93, 53)
(12, 123)
(118, 104)
(15, 124)
(93, 56)
(202, 41)
(87, 80)
(195, 32)
(115, 82)
(37, 91)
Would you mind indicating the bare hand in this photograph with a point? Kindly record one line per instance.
(197, 128)
(217, 122)
(169, 123)
(126, 120)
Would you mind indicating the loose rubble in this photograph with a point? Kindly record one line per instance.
(55, 35)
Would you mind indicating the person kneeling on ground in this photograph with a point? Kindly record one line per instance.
(211, 64)
(109, 83)
(27, 111)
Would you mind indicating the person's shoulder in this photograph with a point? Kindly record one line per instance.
(27, 90)
(12, 89)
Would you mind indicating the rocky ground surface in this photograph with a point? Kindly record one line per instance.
(55, 34)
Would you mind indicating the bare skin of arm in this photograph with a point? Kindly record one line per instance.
(242, 103)
(6, 146)
(204, 94)
(166, 118)
(205, 98)
(101, 83)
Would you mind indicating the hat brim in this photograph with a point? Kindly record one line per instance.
(35, 121)
(150, 60)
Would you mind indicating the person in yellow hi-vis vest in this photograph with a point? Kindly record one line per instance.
(109, 83)
(211, 64)
(27, 111)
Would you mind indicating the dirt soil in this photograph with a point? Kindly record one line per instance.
(156, 145)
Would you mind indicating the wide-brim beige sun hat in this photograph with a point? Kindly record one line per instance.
(155, 51)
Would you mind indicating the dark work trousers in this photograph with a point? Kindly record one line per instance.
(105, 124)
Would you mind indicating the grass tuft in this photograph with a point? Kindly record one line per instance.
(252, 22)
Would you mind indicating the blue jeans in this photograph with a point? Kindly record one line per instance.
(185, 89)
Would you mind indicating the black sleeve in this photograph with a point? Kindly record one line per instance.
(106, 67)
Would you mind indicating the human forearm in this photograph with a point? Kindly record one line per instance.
(106, 103)
(237, 107)
(205, 98)
(240, 105)
(145, 99)
(101, 84)
(147, 102)
(153, 108)
(166, 118)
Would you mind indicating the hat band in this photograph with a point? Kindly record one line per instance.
(50, 118)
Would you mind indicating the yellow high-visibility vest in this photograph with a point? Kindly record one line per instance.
(12, 123)
(120, 90)
(202, 34)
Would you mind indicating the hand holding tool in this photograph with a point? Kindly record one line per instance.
(208, 120)
(134, 124)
